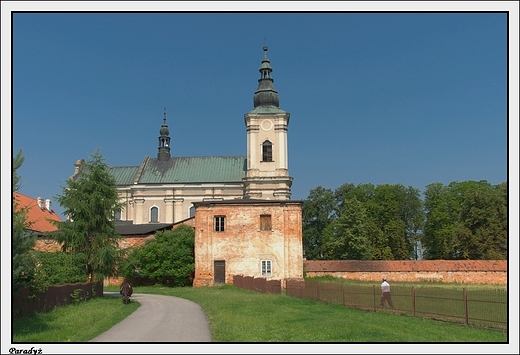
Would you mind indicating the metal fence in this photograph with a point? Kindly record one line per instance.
(485, 308)
(257, 284)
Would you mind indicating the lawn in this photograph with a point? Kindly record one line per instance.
(241, 316)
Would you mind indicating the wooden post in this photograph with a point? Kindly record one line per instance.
(465, 305)
(413, 300)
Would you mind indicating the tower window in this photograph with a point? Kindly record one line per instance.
(220, 222)
(267, 151)
(154, 214)
(265, 222)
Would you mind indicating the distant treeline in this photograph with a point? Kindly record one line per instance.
(461, 220)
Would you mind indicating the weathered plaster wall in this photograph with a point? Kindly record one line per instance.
(243, 245)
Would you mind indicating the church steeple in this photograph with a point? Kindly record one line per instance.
(265, 94)
(164, 141)
(267, 175)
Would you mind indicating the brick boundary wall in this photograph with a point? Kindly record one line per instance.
(450, 271)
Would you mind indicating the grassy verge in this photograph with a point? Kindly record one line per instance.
(72, 323)
(237, 315)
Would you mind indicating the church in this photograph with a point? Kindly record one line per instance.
(163, 189)
(245, 222)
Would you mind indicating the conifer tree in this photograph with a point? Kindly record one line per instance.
(90, 201)
(22, 239)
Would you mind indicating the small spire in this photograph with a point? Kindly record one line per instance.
(164, 115)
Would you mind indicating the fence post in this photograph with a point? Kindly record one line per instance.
(465, 305)
(318, 291)
(374, 292)
(413, 300)
(343, 293)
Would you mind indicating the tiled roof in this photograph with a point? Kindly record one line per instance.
(215, 169)
(36, 216)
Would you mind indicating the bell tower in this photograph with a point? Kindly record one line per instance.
(267, 175)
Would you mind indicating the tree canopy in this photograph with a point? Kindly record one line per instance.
(464, 220)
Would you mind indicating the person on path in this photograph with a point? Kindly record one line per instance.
(385, 294)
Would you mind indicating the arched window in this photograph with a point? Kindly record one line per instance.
(267, 151)
(117, 215)
(154, 214)
(191, 212)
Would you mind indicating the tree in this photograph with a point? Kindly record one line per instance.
(23, 240)
(168, 258)
(482, 232)
(346, 238)
(466, 220)
(317, 213)
(90, 202)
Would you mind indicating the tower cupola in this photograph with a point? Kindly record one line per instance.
(164, 141)
(265, 94)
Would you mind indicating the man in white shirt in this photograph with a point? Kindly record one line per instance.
(385, 294)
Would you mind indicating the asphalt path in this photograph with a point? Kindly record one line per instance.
(160, 318)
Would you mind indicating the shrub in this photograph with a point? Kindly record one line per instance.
(167, 259)
(57, 268)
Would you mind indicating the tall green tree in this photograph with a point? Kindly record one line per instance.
(317, 212)
(23, 240)
(482, 232)
(465, 220)
(90, 202)
(346, 238)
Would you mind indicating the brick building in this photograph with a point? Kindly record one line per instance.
(259, 238)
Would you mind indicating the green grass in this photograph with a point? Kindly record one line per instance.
(72, 323)
(237, 315)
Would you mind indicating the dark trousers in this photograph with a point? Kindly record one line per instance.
(386, 297)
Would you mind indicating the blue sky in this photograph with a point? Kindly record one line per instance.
(374, 97)
(392, 97)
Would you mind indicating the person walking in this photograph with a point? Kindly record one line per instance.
(385, 294)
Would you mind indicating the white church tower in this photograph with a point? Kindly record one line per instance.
(267, 175)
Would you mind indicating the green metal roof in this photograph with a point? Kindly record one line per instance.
(124, 175)
(183, 170)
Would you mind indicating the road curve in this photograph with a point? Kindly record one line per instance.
(159, 319)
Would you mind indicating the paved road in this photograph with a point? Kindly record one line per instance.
(159, 319)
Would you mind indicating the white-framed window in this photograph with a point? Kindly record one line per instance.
(266, 267)
(154, 214)
(191, 211)
(220, 223)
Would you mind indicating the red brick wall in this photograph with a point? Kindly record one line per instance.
(461, 271)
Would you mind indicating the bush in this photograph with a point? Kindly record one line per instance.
(167, 259)
(57, 268)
